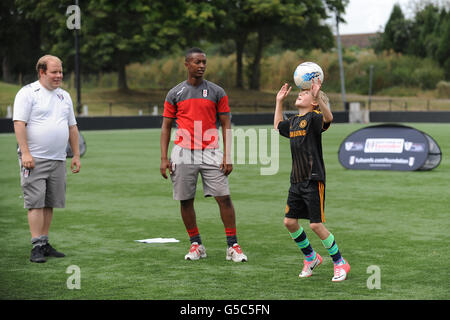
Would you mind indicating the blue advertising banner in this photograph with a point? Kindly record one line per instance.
(389, 147)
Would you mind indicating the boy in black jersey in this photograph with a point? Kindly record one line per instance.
(306, 197)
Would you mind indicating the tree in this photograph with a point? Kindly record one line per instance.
(396, 34)
(296, 23)
(425, 32)
(255, 24)
(236, 24)
(20, 39)
(443, 49)
(112, 34)
(426, 35)
(217, 21)
(118, 33)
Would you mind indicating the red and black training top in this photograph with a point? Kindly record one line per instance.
(196, 110)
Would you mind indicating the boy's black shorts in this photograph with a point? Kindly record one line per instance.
(306, 200)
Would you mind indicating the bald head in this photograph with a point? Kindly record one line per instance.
(43, 62)
(50, 72)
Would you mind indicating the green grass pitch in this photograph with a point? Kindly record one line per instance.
(397, 221)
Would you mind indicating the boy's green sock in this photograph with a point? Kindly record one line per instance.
(333, 249)
(302, 242)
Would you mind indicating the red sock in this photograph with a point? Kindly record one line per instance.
(194, 235)
(193, 232)
(230, 232)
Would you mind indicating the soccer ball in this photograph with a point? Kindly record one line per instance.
(305, 73)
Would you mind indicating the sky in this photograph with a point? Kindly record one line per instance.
(369, 16)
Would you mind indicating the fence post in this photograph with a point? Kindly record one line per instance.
(110, 108)
(9, 113)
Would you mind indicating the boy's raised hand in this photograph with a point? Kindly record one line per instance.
(315, 88)
(283, 93)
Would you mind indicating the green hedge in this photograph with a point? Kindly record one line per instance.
(390, 70)
(443, 89)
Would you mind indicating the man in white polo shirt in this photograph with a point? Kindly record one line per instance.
(44, 122)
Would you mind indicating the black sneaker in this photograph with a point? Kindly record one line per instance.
(37, 255)
(49, 251)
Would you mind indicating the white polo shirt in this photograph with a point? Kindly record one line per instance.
(48, 114)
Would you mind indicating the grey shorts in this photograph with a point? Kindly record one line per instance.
(187, 164)
(44, 186)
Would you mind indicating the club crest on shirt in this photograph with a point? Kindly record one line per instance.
(205, 93)
(303, 124)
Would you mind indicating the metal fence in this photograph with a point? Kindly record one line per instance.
(395, 104)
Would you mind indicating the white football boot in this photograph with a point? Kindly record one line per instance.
(196, 251)
(341, 271)
(235, 253)
(309, 266)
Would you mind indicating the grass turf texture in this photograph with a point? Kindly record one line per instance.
(397, 221)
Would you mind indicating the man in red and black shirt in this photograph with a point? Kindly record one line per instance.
(196, 104)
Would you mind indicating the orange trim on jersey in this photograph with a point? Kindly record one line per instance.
(321, 195)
